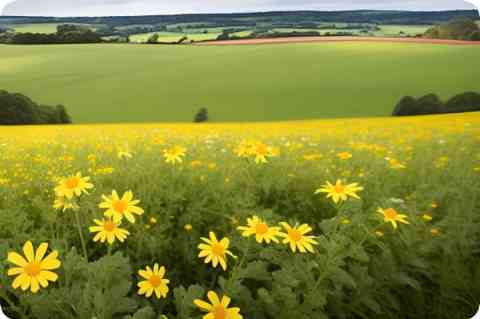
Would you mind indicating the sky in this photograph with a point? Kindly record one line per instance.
(150, 7)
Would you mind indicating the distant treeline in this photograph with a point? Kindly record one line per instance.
(18, 109)
(457, 29)
(66, 33)
(251, 19)
(431, 104)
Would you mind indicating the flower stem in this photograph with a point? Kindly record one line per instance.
(80, 233)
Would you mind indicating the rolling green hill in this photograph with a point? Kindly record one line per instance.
(142, 83)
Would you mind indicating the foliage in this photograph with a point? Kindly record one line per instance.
(431, 104)
(66, 34)
(201, 116)
(16, 108)
(457, 29)
(362, 267)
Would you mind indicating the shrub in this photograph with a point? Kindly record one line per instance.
(18, 109)
(465, 102)
(201, 116)
(431, 104)
(458, 29)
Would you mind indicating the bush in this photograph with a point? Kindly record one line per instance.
(431, 104)
(201, 116)
(465, 102)
(18, 109)
(458, 29)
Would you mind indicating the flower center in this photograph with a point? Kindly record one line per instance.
(339, 189)
(109, 226)
(262, 149)
(390, 213)
(219, 312)
(33, 269)
(261, 228)
(72, 183)
(120, 206)
(217, 249)
(155, 281)
(294, 235)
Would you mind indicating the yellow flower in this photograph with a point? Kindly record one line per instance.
(117, 207)
(339, 191)
(174, 154)
(312, 157)
(215, 251)
(73, 185)
(427, 217)
(34, 270)
(155, 282)
(435, 231)
(344, 155)
(262, 152)
(124, 154)
(390, 215)
(218, 309)
(188, 227)
(195, 163)
(260, 229)
(108, 230)
(346, 221)
(295, 236)
(396, 164)
(152, 220)
(63, 203)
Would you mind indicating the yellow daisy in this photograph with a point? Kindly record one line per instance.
(117, 207)
(108, 230)
(74, 185)
(33, 271)
(263, 232)
(295, 236)
(262, 152)
(215, 251)
(340, 191)
(390, 215)
(218, 309)
(63, 203)
(174, 154)
(344, 155)
(154, 282)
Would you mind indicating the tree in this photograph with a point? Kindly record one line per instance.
(465, 102)
(406, 106)
(17, 108)
(457, 29)
(153, 39)
(201, 116)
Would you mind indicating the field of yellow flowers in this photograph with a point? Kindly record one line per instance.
(358, 218)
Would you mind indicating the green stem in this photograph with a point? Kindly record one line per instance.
(80, 233)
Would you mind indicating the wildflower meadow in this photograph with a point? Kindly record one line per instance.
(360, 218)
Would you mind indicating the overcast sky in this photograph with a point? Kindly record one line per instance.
(137, 7)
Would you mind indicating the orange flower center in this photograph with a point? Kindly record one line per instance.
(155, 281)
(339, 189)
(262, 150)
(218, 249)
(261, 228)
(219, 312)
(33, 269)
(109, 226)
(390, 213)
(72, 182)
(119, 206)
(294, 235)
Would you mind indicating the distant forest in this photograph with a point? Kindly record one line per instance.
(251, 19)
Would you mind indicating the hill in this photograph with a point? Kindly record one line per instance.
(142, 83)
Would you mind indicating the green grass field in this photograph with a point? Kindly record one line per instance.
(141, 83)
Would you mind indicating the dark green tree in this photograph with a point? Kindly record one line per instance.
(201, 116)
